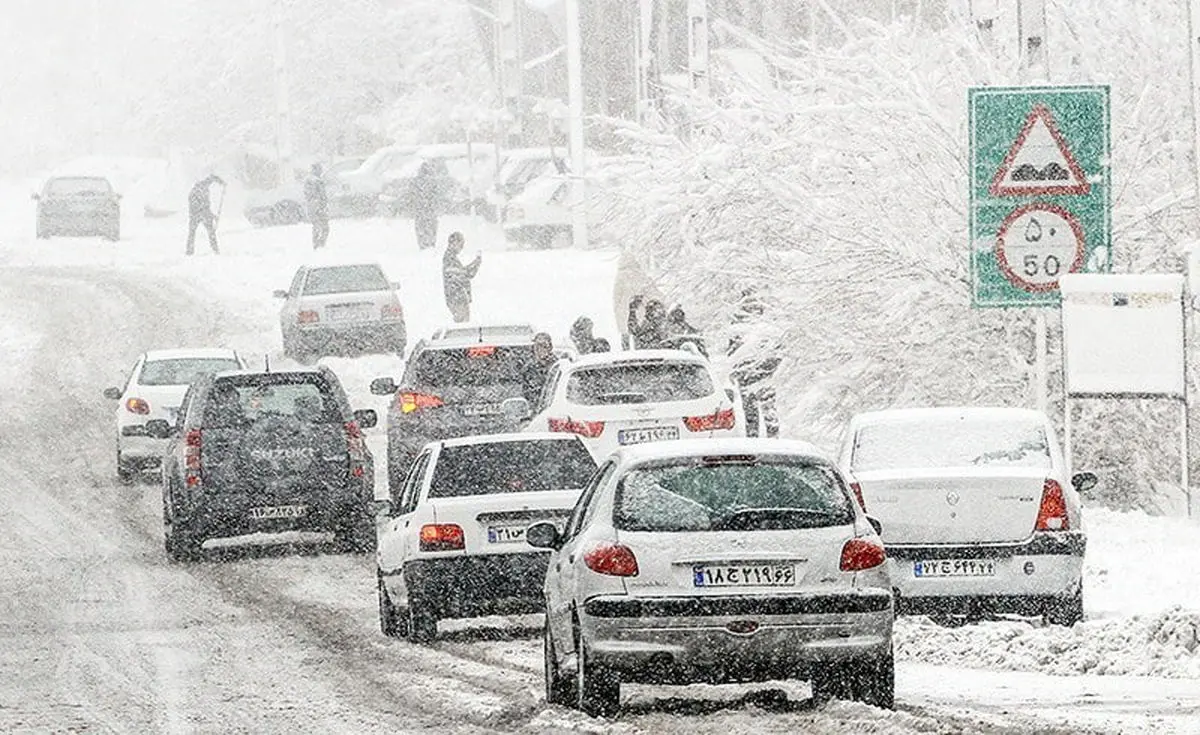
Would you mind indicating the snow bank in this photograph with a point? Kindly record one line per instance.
(1131, 566)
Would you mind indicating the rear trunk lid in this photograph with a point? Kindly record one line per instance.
(496, 523)
(277, 460)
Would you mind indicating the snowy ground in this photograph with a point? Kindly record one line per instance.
(109, 636)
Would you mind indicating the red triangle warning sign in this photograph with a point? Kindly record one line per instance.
(1039, 161)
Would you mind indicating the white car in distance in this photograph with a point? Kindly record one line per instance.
(979, 511)
(453, 542)
(154, 390)
(725, 561)
(616, 399)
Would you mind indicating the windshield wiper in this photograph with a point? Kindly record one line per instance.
(1013, 454)
(747, 519)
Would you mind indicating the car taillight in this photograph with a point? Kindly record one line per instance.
(615, 560)
(191, 458)
(860, 553)
(589, 429)
(138, 406)
(391, 311)
(354, 439)
(1052, 515)
(481, 351)
(308, 317)
(442, 537)
(722, 419)
(409, 402)
(857, 490)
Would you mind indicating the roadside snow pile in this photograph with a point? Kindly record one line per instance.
(1165, 645)
(1126, 570)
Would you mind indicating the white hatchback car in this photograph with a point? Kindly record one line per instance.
(615, 399)
(977, 512)
(454, 544)
(154, 390)
(739, 560)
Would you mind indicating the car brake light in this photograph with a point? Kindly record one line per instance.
(589, 429)
(857, 490)
(442, 537)
(354, 439)
(482, 351)
(409, 402)
(391, 311)
(138, 406)
(1052, 515)
(191, 458)
(722, 419)
(615, 560)
(308, 317)
(860, 553)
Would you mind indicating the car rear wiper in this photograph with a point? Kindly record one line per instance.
(621, 397)
(1013, 454)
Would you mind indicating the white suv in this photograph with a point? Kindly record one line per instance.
(154, 390)
(978, 514)
(615, 399)
(716, 561)
(454, 544)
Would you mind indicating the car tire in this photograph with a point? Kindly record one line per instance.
(597, 687)
(391, 622)
(421, 620)
(559, 688)
(1065, 611)
(179, 540)
(871, 682)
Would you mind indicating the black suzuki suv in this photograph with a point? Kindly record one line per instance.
(266, 452)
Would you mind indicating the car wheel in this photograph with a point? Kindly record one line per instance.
(422, 620)
(874, 682)
(181, 544)
(391, 623)
(1065, 611)
(597, 688)
(559, 689)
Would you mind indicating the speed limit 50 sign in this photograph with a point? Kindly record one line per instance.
(1039, 190)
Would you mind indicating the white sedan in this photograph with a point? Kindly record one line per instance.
(154, 390)
(616, 399)
(977, 511)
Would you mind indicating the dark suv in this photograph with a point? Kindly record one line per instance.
(463, 381)
(266, 452)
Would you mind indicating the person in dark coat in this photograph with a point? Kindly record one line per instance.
(200, 212)
(428, 202)
(456, 278)
(649, 332)
(753, 370)
(681, 333)
(316, 199)
(535, 374)
(582, 337)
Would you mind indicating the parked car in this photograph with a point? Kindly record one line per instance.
(470, 171)
(341, 309)
(266, 452)
(454, 544)
(615, 399)
(154, 390)
(285, 204)
(980, 512)
(520, 166)
(541, 214)
(357, 191)
(740, 560)
(78, 205)
(462, 381)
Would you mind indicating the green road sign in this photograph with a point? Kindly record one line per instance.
(1040, 193)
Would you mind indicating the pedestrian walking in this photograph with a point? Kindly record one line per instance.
(754, 366)
(200, 212)
(456, 278)
(428, 202)
(316, 199)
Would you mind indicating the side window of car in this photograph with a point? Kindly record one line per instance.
(411, 491)
(297, 282)
(576, 521)
(548, 389)
(184, 407)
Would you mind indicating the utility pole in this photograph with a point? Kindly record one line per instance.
(97, 77)
(642, 53)
(1031, 33)
(983, 17)
(509, 65)
(283, 113)
(1194, 53)
(575, 139)
(698, 46)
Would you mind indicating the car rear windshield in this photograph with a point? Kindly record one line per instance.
(475, 366)
(184, 370)
(953, 442)
(731, 494)
(80, 185)
(649, 382)
(511, 467)
(242, 401)
(345, 279)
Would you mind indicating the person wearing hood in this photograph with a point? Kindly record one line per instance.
(581, 336)
(682, 333)
(456, 278)
(649, 332)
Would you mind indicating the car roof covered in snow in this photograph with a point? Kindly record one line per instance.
(185, 353)
(625, 357)
(690, 448)
(917, 415)
(466, 334)
(530, 436)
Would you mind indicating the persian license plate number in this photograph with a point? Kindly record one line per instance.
(506, 534)
(651, 434)
(955, 568)
(347, 313)
(278, 511)
(481, 409)
(744, 575)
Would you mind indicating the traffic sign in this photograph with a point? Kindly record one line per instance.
(1040, 193)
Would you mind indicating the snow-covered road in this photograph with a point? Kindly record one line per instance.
(99, 631)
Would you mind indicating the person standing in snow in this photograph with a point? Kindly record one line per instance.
(316, 199)
(200, 212)
(428, 203)
(538, 370)
(754, 367)
(680, 333)
(582, 337)
(649, 332)
(456, 278)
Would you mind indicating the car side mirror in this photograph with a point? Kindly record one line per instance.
(281, 294)
(159, 429)
(381, 507)
(383, 387)
(875, 524)
(366, 418)
(516, 408)
(112, 393)
(1084, 481)
(544, 535)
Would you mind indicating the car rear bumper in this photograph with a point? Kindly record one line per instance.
(469, 586)
(134, 445)
(218, 515)
(690, 639)
(1049, 564)
(387, 336)
(91, 221)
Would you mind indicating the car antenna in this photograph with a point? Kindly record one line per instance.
(267, 362)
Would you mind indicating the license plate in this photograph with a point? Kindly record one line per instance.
(955, 568)
(481, 409)
(278, 511)
(744, 575)
(506, 534)
(652, 434)
(347, 313)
